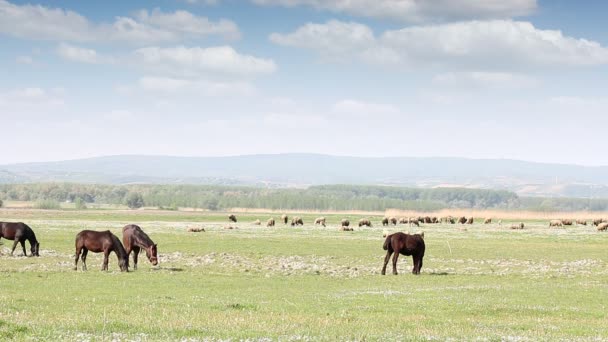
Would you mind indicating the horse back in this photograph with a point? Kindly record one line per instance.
(407, 244)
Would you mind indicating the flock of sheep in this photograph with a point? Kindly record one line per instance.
(602, 224)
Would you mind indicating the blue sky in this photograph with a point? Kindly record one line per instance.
(521, 79)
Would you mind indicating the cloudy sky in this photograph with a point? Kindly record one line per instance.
(517, 79)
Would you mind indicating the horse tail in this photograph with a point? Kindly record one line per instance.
(387, 242)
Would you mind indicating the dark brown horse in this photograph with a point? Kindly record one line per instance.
(406, 244)
(19, 232)
(97, 242)
(134, 239)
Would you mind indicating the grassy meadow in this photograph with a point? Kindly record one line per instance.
(479, 282)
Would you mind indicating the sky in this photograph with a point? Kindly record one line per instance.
(518, 79)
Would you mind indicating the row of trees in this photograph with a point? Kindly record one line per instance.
(326, 197)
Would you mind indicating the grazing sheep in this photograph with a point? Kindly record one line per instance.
(285, 218)
(434, 219)
(487, 221)
(346, 229)
(427, 219)
(555, 223)
(567, 222)
(321, 221)
(518, 226)
(365, 222)
(597, 222)
(345, 223)
(195, 230)
(393, 221)
(257, 222)
(452, 220)
(420, 219)
(270, 222)
(414, 221)
(297, 221)
(470, 220)
(403, 220)
(582, 222)
(462, 220)
(602, 226)
(232, 218)
(385, 221)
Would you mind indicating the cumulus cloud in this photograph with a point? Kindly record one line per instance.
(202, 62)
(483, 79)
(416, 10)
(82, 55)
(43, 23)
(33, 96)
(503, 44)
(172, 86)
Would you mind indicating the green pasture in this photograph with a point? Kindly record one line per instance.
(252, 283)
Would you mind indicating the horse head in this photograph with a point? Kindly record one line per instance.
(124, 264)
(35, 248)
(152, 254)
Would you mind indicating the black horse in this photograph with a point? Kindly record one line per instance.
(20, 232)
(134, 239)
(406, 244)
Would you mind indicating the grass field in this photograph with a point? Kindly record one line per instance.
(299, 284)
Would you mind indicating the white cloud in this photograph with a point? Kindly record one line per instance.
(33, 96)
(416, 10)
(484, 79)
(202, 62)
(82, 55)
(496, 44)
(43, 23)
(333, 40)
(186, 22)
(186, 87)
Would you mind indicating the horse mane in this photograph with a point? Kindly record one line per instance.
(31, 236)
(142, 239)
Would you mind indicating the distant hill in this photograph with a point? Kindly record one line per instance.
(300, 170)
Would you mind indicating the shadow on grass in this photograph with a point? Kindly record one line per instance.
(170, 269)
(438, 273)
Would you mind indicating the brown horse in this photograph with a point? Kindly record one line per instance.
(134, 239)
(97, 242)
(406, 244)
(20, 232)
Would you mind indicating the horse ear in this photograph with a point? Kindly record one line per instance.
(155, 245)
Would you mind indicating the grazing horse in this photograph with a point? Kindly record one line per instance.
(134, 239)
(406, 244)
(20, 232)
(97, 242)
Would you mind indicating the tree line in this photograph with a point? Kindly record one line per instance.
(325, 197)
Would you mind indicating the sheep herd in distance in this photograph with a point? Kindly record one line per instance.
(601, 224)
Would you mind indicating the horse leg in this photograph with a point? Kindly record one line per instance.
(106, 255)
(395, 257)
(14, 246)
(84, 259)
(416, 260)
(136, 251)
(420, 263)
(23, 246)
(76, 260)
(386, 259)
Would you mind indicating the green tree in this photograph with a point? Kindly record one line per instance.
(134, 200)
(80, 204)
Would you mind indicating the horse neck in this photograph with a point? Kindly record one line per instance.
(142, 239)
(118, 248)
(31, 237)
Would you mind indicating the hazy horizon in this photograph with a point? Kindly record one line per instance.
(293, 153)
(517, 80)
